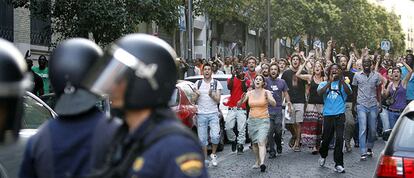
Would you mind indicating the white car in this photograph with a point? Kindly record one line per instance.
(35, 113)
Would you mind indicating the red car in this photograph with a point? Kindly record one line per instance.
(181, 103)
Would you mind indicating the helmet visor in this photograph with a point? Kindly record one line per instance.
(106, 73)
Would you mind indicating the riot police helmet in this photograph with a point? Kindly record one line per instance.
(14, 81)
(146, 62)
(69, 62)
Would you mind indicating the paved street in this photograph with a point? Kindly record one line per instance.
(293, 164)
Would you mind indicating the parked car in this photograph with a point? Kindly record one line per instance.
(397, 158)
(36, 112)
(181, 103)
(103, 104)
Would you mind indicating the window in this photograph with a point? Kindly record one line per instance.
(6, 20)
(406, 133)
(35, 114)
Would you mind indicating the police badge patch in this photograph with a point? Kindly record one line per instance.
(190, 164)
(138, 164)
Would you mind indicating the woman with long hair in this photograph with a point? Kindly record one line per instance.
(258, 123)
(397, 90)
(312, 119)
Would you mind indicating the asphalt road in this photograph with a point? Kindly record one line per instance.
(294, 164)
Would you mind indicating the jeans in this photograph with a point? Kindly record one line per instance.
(275, 132)
(393, 117)
(240, 117)
(384, 118)
(204, 121)
(367, 118)
(349, 122)
(331, 125)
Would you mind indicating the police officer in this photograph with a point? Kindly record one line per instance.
(73, 144)
(14, 81)
(141, 74)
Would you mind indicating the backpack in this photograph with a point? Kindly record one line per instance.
(214, 84)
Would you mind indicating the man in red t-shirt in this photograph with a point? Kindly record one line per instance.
(251, 68)
(237, 85)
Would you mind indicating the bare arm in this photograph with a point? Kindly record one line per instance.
(243, 99)
(287, 98)
(377, 64)
(306, 77)
(408, 76)
(216, 96)
(350, 62)
(270, 98)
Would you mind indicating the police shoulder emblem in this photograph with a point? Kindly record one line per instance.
(190, 164)
(138, 164)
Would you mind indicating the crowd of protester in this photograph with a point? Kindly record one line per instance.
(356, 95)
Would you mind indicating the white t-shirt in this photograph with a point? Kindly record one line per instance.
(206, 104)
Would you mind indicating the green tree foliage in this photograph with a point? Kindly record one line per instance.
(365, 24)
(106, 20)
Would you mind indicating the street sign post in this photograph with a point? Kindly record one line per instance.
(385, 45)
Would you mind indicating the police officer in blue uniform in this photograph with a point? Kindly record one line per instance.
(14, 81)
(73, 144)
(140, 74)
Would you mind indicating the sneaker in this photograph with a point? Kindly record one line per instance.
(233, 146)
(348, 147)
(213, 159)
(363, 157)
(272, 156)
(240, 148)
(340, 169)
(255, 166)
(262, 168)
(322, 161)
(370, 153)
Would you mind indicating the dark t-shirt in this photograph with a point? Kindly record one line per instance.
(277, 87)
(350, 76)
(297, 92)
(38, 84)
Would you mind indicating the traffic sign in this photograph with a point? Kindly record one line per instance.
(385, 45)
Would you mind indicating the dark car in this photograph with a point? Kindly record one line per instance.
(36, 112)
(397, 158)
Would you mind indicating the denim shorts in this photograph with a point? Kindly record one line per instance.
(204, 121)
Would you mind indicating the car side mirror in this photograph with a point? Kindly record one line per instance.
(386, 134)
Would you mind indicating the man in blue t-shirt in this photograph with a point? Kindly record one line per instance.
(334, 92)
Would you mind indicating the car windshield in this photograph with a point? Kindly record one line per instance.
(34, 114)
(223, 82)
(406, 134)
(174, 98)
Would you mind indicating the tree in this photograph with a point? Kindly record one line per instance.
(105, 20)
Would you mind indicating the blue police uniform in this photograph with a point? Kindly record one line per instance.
(69, 146)
(173, 155)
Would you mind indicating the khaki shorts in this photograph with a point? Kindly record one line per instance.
(297, 114)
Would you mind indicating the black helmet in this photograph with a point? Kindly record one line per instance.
(68, 64)
(14, 81)
(146, 62)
